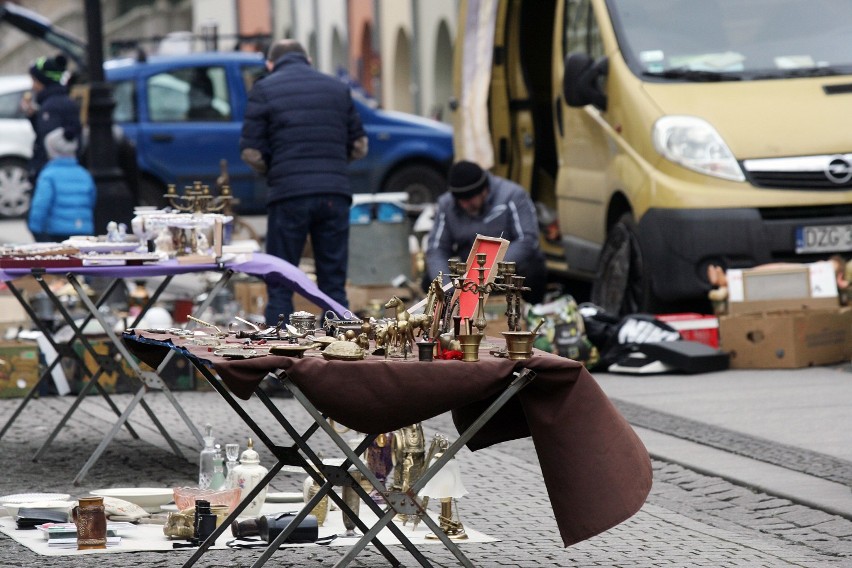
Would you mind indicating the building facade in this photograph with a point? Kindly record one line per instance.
(399, 51)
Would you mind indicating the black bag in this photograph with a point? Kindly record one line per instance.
(270, 526)
(616, 338)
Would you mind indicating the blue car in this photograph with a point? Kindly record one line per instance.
(184, 114)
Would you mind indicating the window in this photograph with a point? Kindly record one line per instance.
(10, 105)
(125, 102)
(251, 74)
(193, 94)
(581, 30)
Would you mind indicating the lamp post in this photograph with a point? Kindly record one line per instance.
(114, 195)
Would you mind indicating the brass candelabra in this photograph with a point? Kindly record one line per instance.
(198, 199)
(505, 281)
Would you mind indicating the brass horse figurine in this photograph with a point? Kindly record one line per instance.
(420, 322)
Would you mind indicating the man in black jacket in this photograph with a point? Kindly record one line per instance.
(301, 129)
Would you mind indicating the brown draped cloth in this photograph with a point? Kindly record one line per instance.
(596, 469)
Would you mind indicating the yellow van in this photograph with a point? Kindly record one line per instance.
(668, 135)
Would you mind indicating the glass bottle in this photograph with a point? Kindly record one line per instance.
(218, 479)
(232, 452)
(205, 459)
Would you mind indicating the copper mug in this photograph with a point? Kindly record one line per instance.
(91, 523)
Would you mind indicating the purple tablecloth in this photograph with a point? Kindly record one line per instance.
(271, 269)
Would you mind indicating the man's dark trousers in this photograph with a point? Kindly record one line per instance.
(326, 219)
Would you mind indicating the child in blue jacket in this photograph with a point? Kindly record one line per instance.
(64, 197)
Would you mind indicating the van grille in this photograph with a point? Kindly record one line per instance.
(824, 173)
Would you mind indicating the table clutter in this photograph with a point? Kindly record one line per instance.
(556, 391)
(426, 360)
(55, 538)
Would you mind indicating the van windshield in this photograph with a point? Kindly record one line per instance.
(713, 40)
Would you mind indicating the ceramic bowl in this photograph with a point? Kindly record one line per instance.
(185, 497)
(149, 498)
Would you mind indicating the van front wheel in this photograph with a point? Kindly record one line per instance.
(619, 286)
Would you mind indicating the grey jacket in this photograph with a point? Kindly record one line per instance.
(508, 213)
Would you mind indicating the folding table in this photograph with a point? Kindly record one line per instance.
(596, 470)
(262, 265)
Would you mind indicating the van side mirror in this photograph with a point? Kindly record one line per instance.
(581, 80)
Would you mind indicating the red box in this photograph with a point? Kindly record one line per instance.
(695, 327)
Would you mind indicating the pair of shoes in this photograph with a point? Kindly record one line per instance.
(272, 387)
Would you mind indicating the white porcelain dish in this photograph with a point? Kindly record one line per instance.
(149, 498)
(30, 497)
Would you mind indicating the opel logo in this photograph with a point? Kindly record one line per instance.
(839, 170)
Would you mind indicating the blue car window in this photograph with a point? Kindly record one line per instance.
(192, 94)
(125, 102)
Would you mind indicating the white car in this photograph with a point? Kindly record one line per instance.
(16, 147)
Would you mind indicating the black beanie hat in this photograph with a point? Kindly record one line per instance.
(466, 179)
(49, 69)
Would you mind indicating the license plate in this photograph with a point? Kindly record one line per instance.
(823, 238)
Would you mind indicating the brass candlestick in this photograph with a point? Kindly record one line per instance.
(478, 287)
(506, 281)
(197, 198)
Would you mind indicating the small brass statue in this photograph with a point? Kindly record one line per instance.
(409, 458)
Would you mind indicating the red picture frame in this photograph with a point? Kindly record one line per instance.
(495, 250)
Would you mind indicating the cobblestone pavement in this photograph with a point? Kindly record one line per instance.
(689, 520)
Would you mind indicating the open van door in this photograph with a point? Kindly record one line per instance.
(504, 84)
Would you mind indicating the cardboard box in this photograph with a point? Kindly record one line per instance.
(251, 296)
(787, 339)
(19, 370)
(694, 327)
(12, 314)
(788, 287)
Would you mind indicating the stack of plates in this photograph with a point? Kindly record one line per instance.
(47, 501)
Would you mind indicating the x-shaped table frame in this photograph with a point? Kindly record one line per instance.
(302, 455)
(148, 380)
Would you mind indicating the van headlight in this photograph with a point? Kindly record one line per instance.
(694, 144)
